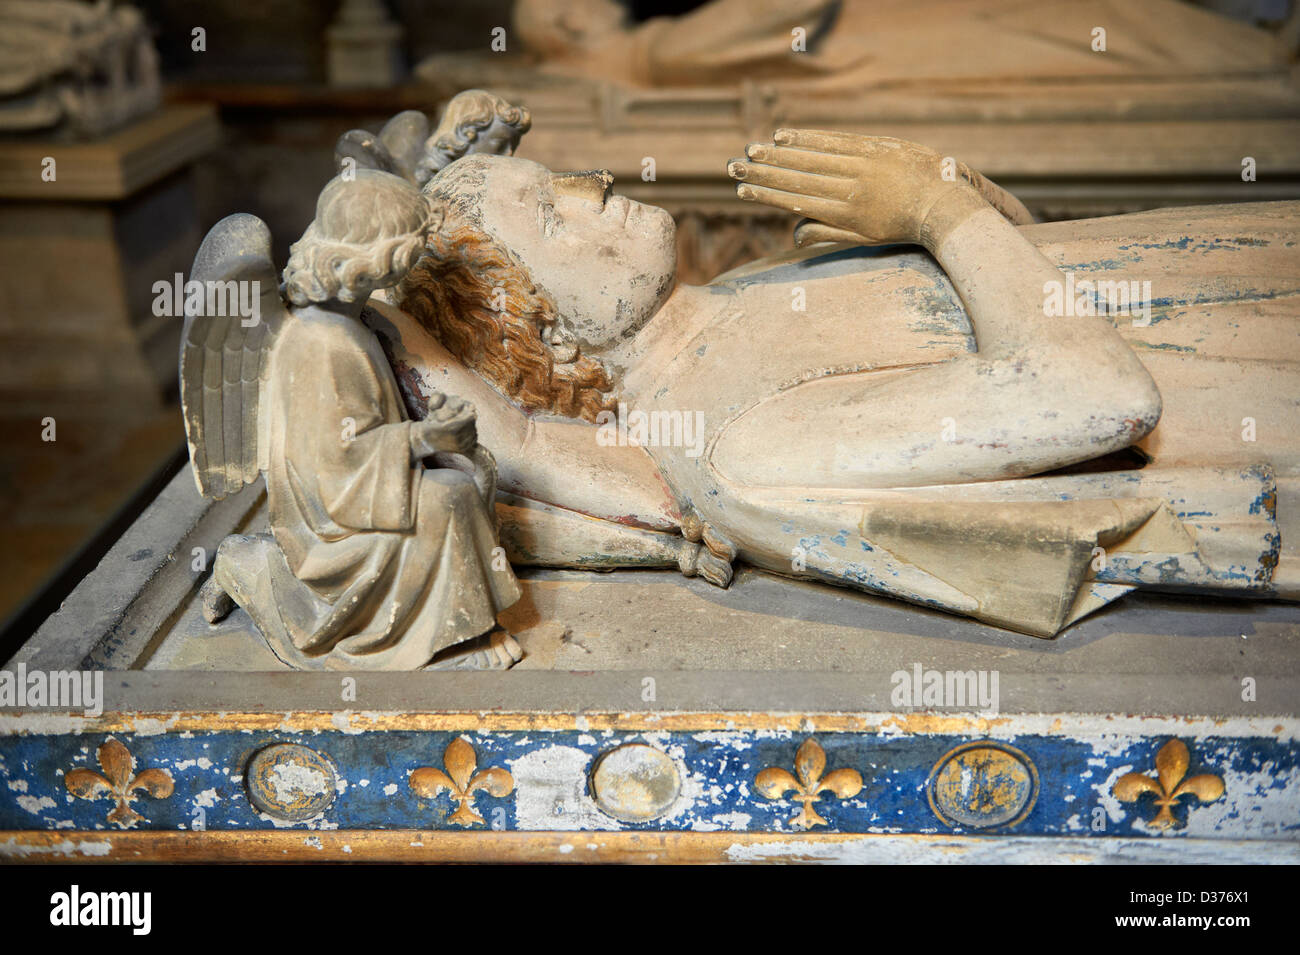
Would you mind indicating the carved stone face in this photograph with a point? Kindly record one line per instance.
(607, 262)
(497, 140)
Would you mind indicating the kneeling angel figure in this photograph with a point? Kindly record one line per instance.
(375, 560)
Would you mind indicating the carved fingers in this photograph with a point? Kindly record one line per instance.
(871, 189)
(796, 181)
(450, 408)
(450, 427)
(807, 160)
(810, 232)
(459, 435)
(813, 206)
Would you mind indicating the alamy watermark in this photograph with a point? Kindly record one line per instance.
(921, 688)
(75, 907)
(1098, 297)
(651, 429)
(176, 297)
(60, 689)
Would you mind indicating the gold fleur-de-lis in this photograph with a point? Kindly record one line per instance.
(462, 781)
(119, 781)
(809, 764)
(1171, 766)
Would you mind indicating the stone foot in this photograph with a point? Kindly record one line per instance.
(497, 650)
(215, 602)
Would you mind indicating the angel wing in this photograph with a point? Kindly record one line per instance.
(224, 354)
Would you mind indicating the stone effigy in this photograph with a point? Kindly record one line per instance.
(374, 561)
(78, 68)
(855, 45)
(974, 430)
(980, 431)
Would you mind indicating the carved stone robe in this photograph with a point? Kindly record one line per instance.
(375, 563)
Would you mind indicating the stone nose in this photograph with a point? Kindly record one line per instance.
(593, 184)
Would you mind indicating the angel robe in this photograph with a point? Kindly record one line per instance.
(376, 563)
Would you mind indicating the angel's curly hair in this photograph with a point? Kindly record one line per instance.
(467, 115)
(477, 298)
(369, 230)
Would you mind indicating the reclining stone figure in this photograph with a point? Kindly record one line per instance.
(913, 422)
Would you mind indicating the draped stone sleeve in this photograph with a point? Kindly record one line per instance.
(346, 437)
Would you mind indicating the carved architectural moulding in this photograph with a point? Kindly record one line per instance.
(1065, 776)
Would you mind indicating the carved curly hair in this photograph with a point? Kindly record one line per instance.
(368, 232)
(468, 114)
(478, 300)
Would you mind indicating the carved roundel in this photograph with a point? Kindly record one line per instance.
(290, 782)
(982, 786)
(635, 782)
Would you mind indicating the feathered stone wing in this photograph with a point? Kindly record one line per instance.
(224, 354)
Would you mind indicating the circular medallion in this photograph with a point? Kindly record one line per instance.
(290, 782)
(635, 783)
(982, 786)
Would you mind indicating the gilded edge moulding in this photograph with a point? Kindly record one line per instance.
(737, 780)
(977, 785)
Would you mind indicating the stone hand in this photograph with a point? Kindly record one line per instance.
(450, 428)
(870, 189)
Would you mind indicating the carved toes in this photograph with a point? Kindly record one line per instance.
(216, 604)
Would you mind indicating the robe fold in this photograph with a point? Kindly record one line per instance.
(374, 563)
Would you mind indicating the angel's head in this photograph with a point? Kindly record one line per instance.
(475, 121)
(536, 275)
(370, 228)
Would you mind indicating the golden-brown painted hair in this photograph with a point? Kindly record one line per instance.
(452, 292)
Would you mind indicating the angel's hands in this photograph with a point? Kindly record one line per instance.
(450, 428)
(874, 189)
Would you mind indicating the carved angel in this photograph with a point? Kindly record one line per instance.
(475, 121)
(375, 560)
